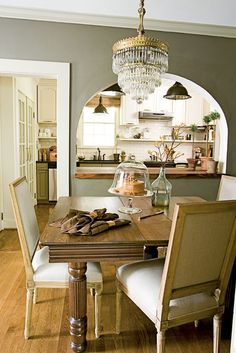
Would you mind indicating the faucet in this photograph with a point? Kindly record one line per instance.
(103, 156)
(99, 154)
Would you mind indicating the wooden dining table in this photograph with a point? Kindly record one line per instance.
(126, 243)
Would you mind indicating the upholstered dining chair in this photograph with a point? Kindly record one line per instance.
(190, 284)
(39, 272)
(227, 188)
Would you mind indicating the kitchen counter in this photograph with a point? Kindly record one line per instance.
(101, 162)
(51, 164)
(95, 181)
(171, 173)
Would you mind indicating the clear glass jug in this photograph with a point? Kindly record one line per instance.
(161, 188)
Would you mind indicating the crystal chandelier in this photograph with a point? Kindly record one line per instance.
(139, 62)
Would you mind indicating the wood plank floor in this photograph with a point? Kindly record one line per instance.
(50, 315)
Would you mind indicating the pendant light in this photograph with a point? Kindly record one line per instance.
(100, 109)
(177, 92)
(139, 62)
(112, 91)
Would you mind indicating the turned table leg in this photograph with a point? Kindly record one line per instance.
(78, 305)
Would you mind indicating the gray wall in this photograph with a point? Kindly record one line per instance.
(206, 188)
(208, 61)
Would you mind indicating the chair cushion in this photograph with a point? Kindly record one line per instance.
(142, 281)
(58, 272)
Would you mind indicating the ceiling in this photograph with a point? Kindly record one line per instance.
(207, 17)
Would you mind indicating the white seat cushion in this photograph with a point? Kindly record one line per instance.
(142, 280)
(58, 272)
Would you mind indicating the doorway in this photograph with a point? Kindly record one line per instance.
(60, 72)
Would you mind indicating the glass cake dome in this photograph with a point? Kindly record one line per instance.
(131, 180)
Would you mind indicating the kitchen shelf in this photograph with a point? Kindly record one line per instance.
(47, 138)
(136, 140)
(155, 140)
(47, 123)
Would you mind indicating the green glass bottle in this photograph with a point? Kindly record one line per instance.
(161, 188)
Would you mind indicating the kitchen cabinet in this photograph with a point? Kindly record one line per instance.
(189, 111)
(47, 113)
(129, 109)
(42, 182)
(156, 102)
(47, 100)
(196, 108)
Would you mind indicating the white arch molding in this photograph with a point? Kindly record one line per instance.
(61, 72)
(221, 144)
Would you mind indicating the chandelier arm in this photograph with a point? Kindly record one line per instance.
(141, 12)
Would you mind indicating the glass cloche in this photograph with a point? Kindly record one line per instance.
(131, 180)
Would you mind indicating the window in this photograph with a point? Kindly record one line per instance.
(99, 130)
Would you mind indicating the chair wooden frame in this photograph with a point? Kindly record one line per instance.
(215, 286)
(28, 254)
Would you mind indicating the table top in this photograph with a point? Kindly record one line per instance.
(150, 231)
(126, 242)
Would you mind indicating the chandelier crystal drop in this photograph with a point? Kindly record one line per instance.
(139, 62)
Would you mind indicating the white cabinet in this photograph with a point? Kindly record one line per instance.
(196, 108)
(157, 103)
(47, 99)
(149, 104)
(129, 110)
(162, 104)
(179, 112)
(187, 111)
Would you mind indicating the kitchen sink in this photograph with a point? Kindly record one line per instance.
(158, 164)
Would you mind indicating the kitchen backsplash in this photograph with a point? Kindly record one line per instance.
(139, 147)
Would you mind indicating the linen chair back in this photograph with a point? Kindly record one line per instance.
(227, 188)
(201, 251)
(26, 221)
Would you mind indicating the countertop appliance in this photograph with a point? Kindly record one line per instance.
(52, 181)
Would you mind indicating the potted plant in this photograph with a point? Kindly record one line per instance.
(192, 162)
(208, 119)
(123, 156)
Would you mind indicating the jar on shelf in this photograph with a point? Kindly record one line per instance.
(161, 188)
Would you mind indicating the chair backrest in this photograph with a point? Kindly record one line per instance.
(26, 221)
(227, 188)
(201, 251)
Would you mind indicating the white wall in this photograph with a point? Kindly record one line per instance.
(8, 146)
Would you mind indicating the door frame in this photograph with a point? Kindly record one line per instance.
(1, 193)
(60, 72)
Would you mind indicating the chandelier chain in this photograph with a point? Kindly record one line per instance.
(141, 12)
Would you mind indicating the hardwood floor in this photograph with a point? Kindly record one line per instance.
(50, 315)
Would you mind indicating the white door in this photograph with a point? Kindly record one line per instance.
(26, 139)
(31, 176)
(1, 183)
(22, 134)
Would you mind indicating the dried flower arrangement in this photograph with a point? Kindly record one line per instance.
(166, 150)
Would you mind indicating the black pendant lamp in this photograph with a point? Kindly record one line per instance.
(177, 92)
(112, 91)
(100, 109)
